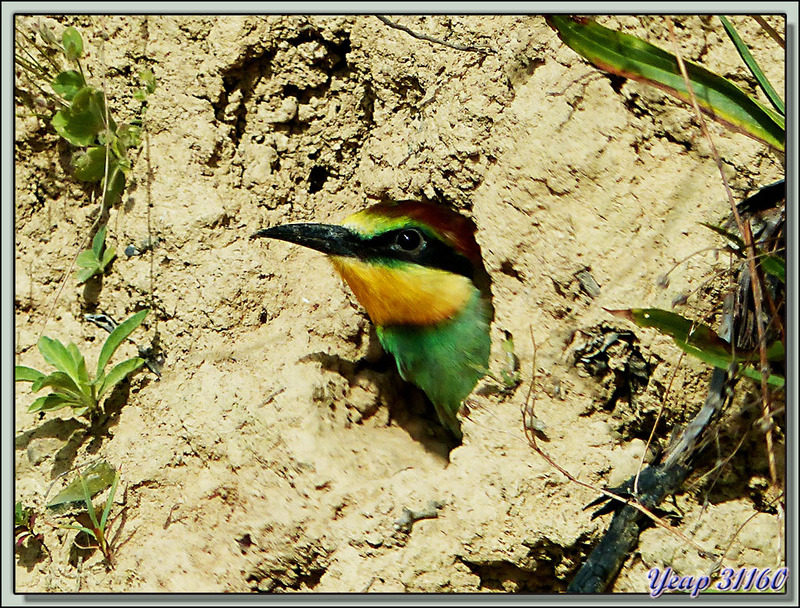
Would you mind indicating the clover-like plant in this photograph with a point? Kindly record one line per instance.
(94, 261)
(83, 118)
(70, 384)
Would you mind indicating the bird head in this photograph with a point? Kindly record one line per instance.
(408, 263)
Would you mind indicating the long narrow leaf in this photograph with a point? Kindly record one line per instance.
(776, 352)
(97, 478)
(677, 327)
(117, 337)
(632, 57)
(723, 362)
(734, 239)
(117, 374)
(83, 529)
(87, 497)
(748, 58)
(770, 263)
(109, 502)
(697, 339)
(774, 266)
(51, 403)
(26, 374)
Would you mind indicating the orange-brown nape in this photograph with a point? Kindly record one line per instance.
(455, 230)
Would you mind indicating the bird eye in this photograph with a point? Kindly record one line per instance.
(409, 240)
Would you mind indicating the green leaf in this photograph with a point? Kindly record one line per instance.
(109, 502)
(124, 164)
(774, 266)
(148, 80)
(50, 403)
(677, 327)
(81, 122)
(80, 364)
(776, 352)
(22, 515)
(748, 58)
(737, 242)
(26, 374)
(67, 84)
(61, 382)
(116, 183)
(73, 43)
(632, 57)
(130, 136)
(770, 263)
(98, 242)
(109, 255)
(83, 529)
(97, 478)
(57, 355)
(117, 374)
(117, 337)
(724, 362)
(85, 274)
(695, 339)
(90, 166)
(87, 259)
(80, 394)
(87, 498)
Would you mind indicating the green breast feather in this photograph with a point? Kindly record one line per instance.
(445, 360)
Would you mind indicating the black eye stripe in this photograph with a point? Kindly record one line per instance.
(432, 252)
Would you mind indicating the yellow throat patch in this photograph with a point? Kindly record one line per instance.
(404, 293)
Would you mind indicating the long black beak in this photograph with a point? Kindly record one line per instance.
(327, 238)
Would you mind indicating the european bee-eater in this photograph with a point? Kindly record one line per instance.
(417, 270)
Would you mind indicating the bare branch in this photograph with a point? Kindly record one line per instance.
(426, 38)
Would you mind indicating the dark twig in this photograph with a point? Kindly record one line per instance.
(426, 38)
(654, 484)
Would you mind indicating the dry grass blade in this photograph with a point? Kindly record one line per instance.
(770, 30)
(739, 531)
(757, 279)
(655, 424)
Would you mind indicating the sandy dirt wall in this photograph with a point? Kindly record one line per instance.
(279, 448)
